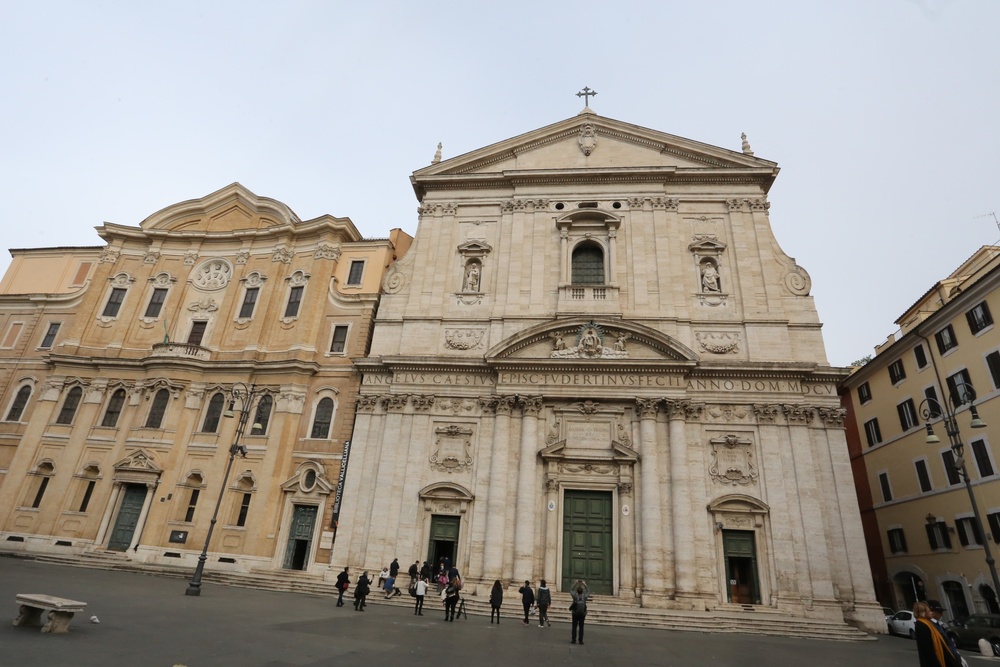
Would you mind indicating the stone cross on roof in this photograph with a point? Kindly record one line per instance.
(586, 94)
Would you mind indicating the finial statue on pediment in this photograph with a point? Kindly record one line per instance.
(437, 154)
(746, 145)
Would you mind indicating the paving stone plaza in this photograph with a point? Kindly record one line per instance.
(147, 620)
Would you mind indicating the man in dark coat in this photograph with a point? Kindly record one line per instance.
(361, 592)
(527, 599)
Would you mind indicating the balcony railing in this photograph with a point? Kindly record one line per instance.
(181, 350)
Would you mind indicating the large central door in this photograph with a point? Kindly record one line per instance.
(128, 517)
(587, 541)
(443, 540)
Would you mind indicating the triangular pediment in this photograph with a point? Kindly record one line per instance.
(591, 340)
(232, 208)
(586, 143)
(138, 460)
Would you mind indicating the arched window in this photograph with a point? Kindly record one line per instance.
(89, 479)
(158, 409)
(69, 406)
(44, 472)
(588, 264)
(20, 401)
(245, 486)
(262, 416)
(214, 412)
(322, 419)
(114, 409)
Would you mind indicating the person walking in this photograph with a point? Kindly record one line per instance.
(361, 591)
(421, 589)
(390, 586)
(580, 593)
(937, 611)
(451, 595)
(543, 599)
(933, 647)
(413, 572)
(425, 571)
(343, 583)
(527, 599)
(496, 599)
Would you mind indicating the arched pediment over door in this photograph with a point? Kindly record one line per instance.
(585, 338)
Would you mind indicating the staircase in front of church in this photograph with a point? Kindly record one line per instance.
(602, 610)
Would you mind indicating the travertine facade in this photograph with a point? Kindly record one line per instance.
(597, 362)
(114, 434)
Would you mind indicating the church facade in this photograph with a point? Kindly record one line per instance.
(596, 362)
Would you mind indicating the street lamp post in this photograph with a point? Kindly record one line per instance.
(930, 409)
(245, 395)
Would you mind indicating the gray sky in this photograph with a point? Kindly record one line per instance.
(881, 113)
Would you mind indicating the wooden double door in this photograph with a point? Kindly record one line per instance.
(588, 543)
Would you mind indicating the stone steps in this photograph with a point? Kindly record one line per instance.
(601, 611)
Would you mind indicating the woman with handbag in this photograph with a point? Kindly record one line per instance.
(343, 583)
(451, 595)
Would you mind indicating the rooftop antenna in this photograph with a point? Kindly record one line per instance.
(991, 214)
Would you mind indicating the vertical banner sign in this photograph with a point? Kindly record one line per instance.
(340, 486)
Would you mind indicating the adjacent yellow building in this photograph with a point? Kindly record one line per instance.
(945, 355)
(119, 365)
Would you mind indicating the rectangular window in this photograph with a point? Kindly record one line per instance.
(86, 495)
(896, 371)
(241, 520)
(897, 541)
(959, 386)
(923, 477)
(41, 492)
(294, 301)
(197, 332)
(864, 393)
(994, 521)
(945, 339)
(872, 432)
(968, 532)
(907, 414)
(249, 301)
(339, 343)
(192, 504)
(883, 480)
(114, 303)
(50, 335)
(933, 406)
(920, 355)
(937, 535)
(979, 317)
(982, 454)
(357, 268)
(993, 362)
(13, 333)
(156, 302)
(948, 458)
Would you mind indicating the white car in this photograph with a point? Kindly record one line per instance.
(901, 623)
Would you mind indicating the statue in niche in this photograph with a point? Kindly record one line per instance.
(710, 278)
(471, 283)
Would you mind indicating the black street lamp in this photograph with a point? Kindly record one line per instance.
(930, 409)
(246, 396)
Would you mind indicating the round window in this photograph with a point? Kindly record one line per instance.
(309, 481)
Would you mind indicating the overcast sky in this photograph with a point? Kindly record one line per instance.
(882, 114)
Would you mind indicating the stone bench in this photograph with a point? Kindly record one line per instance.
(60, 611)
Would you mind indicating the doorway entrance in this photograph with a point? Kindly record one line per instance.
(443, 540)
(587, 541)
(128, 517)
(300, 537)
(741, 566)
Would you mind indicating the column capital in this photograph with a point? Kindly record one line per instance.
(530, 405)
(648, 407)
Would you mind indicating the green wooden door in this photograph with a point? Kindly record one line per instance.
(587, 541)
(741, 566)
(300, 537)
(128, 517)
(443, 540)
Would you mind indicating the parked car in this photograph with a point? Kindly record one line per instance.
(889, 613)
(969, 630)
(901, 623)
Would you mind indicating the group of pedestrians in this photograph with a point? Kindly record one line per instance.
(934, 647)
(450, 585)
